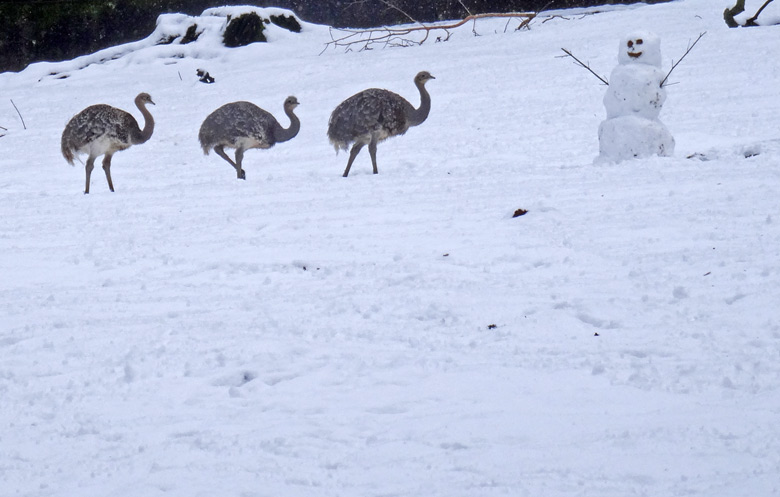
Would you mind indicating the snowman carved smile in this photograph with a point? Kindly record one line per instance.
(640, 47)
(631, 46)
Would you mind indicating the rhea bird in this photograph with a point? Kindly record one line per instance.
(104, 130)
(243, 125)
(374, 115)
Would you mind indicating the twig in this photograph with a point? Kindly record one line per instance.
(690, 47)
(402, 11)
(507, 24)
(20, 114)
(586, 66)
(527, 22)
(469, 12)
(3, 128)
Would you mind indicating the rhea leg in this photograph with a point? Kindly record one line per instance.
(239, 159)
(90, 165)
(372, 152)
(352, 154)
(107, 169)
(220, 150)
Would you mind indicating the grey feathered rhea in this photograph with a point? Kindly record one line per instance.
(243, 125)
(374, 115)
(104, 130)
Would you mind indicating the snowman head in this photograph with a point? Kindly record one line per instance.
(640, 47)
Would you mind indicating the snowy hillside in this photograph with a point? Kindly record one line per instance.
(399, 334)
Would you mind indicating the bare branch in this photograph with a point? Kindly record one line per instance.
(527, 22)
(20, 114)
(752, 20)
(586, 66)
(690, 47)
(402, 36)
(738, 8)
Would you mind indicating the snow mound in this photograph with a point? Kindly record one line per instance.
(179, 36)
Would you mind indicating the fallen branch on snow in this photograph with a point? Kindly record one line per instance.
(366, 39)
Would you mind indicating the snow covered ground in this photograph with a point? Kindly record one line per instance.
(300, 333)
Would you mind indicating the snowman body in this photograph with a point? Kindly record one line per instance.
(633, 103)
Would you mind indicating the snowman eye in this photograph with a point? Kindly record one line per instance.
(639, 41)
(630, 44)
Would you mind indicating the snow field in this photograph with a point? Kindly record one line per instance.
(300, 333)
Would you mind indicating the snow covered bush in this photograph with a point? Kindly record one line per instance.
(243, 30)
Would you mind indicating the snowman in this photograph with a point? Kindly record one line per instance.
(633, 102)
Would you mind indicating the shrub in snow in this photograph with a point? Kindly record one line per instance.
(243, 30)
(191, 35)
(290, 23)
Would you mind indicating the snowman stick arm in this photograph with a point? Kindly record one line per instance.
(675, 64)
(586, 66)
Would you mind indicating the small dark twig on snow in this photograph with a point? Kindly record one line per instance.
(20, 114)
(690, 47)
(586, 66)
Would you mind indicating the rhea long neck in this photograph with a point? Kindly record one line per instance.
(283, 134)
(420, 114)
(143, 135)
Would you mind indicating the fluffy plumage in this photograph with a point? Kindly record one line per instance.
(244, 125)
(104, 130)
(370, 112)
(374, 115)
